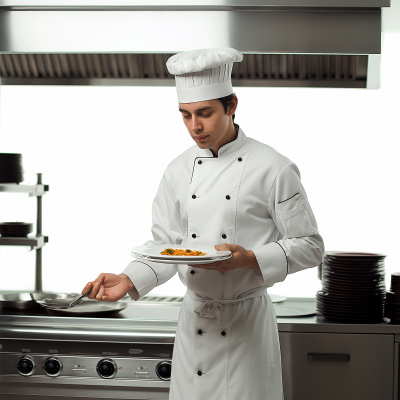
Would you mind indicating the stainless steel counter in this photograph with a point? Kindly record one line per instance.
(155, 322)
(142, 336)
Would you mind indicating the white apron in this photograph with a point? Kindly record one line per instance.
(227, 343)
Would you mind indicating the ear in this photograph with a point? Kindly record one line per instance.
(232, 105)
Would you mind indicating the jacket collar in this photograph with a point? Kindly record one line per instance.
(227, 148)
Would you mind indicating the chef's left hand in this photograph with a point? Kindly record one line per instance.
(241, 258)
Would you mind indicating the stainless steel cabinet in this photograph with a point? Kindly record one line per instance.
(341, 366)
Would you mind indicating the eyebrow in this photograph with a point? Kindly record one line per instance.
(200, 109)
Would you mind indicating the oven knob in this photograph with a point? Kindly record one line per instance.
(52, 366)
(107, 368)
(163, 370)
(26, 366)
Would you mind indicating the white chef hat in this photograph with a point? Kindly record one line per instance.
(203, 74)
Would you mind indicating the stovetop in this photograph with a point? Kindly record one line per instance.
(139, 322)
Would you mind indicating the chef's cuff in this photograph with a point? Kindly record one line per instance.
(273, 263)
(142, 276)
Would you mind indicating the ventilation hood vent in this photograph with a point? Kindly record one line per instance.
(300, 43)
(150, 70)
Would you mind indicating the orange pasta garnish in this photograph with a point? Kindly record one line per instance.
(180, 252)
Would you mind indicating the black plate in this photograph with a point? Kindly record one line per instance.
(352, 255)
(361, 272)
(354, 268)
(351, 311)
(348, 312)
(327, 296)
(10, 174)
(366, 313)
(356, 291)
(354, 271)
(358, 286)
(354, 279)
(350, 293)
(15, 229)
(356, 261)
(11, 180)
(351, 306)
(336, 305)
(350, 319)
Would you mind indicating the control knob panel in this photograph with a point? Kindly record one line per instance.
(107, 368)
(63, 365)
(26, 366)
(163, 370)
(52, 366)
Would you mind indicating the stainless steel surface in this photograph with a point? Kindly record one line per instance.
(320, 32)
(142, 336)
(158, 320)
(206, 4)
(125, 333)
(368, 375)
(396, 371)
(74, 387)
(37, 241)
(22, 301)
(135, 348)
(32, 190)
(79, 378)
(131, 52)
(33, 241)
(256, 70)
(38, 267)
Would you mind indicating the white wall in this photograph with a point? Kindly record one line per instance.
(103, 150)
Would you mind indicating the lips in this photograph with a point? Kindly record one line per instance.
(201, 137)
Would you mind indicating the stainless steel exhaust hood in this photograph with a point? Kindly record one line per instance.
(306, 43)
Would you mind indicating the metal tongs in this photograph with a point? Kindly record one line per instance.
(79, 300)
(73, 303)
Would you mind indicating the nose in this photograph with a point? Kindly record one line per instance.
(196, 125)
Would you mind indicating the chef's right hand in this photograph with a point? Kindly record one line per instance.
(109, 287)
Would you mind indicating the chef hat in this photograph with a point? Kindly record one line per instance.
(203, 74)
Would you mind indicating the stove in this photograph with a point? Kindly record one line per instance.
(124, 356)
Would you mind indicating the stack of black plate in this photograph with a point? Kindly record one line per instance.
(15, 229)
(353, 287)
(392, 306)
(11, 168)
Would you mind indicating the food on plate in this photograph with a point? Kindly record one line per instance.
(181, 252)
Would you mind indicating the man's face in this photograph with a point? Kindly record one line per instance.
(206, 122)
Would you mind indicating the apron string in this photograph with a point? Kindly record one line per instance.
(211, 308)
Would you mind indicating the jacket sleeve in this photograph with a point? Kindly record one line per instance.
(300, 245)
(166, 228)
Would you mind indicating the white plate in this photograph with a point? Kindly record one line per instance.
(155, 250)
(184, 260)
(277, 298)
(178, 258)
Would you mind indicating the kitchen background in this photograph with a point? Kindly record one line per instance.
(103, 150)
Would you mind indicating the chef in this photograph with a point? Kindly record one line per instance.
(238, 194)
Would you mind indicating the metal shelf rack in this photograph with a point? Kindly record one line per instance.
(36, 242)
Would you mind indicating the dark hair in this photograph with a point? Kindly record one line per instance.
(225, 102)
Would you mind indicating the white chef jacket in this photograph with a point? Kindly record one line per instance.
(252, 196)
